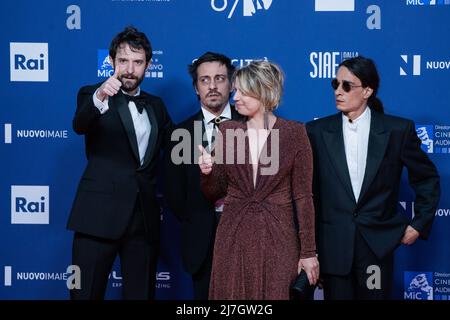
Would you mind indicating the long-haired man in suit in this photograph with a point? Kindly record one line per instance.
(115, 210)
(359, 155)
(211, 77)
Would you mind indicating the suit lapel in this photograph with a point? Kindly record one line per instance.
(154, 131)
(197, 130)
(334, 143)
(199, 117)
(378, 141)
(204, 142)
(125, 116)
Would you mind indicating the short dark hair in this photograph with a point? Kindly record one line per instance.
(136, 40)
(211, 57)
(366, 71)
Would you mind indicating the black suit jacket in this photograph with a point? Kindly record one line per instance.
(113, 178)
(393, 145)
(186, 200)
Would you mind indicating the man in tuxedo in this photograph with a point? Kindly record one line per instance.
(115, 210)
(211, 77)
(359, 155)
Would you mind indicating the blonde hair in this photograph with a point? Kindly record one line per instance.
(262, 80)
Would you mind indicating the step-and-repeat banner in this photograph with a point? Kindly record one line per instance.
(49, 49)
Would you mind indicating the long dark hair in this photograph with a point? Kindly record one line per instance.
(366, 71)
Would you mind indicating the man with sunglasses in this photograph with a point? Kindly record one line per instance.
(359, 155)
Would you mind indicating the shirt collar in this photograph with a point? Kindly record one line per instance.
(208, 116)
(363, 118)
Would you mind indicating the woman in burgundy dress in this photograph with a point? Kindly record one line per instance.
(262, 166)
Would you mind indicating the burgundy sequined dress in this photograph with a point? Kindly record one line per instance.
(257, 245)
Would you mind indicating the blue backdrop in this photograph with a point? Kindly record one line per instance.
(55, 47)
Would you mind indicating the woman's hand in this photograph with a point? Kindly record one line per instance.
(205, 161)
(311, 267)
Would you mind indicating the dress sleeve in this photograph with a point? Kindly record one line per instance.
(214, 185)
(302, 194)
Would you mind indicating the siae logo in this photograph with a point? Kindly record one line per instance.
(325, 63)
(28, 61)
(30, 204)
(415, 64)
(249, 7)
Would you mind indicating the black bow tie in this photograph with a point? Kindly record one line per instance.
(139, 101)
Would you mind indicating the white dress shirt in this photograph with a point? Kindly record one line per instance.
(209, 128)
(208, 116)
(356, 141)
(141, 122)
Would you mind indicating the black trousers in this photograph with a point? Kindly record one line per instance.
(201, 279)
(354, 286)
(95, 257)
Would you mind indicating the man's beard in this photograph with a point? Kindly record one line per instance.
(217, 104)
(128, 84)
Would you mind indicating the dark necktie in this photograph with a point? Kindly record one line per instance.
(219, 203)
(139, 101)
(215, 122)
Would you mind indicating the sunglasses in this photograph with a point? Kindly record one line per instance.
(346, 85)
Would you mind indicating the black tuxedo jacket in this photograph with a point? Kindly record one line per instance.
(393, 145)
(186, 200)
(114, 178)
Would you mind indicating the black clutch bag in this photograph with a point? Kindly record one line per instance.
(301, 289)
